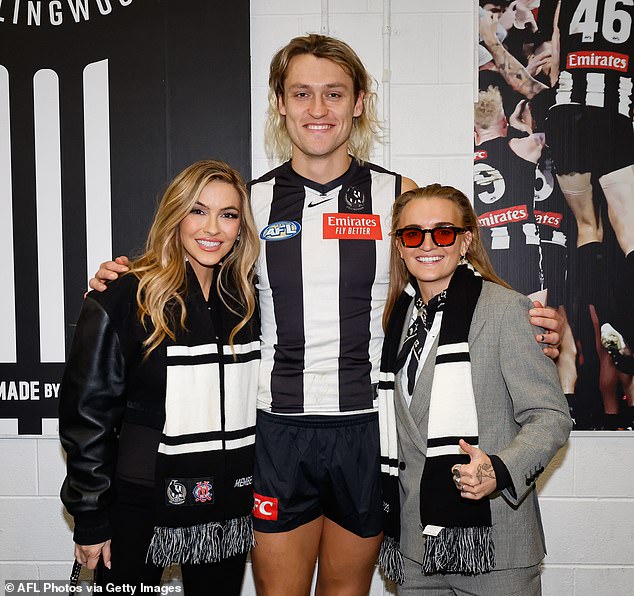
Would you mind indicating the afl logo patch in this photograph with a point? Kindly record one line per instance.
(280, 230)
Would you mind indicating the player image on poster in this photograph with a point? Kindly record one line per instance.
(554, 182)
(101, 103)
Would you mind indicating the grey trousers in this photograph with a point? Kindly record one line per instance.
(525, 581)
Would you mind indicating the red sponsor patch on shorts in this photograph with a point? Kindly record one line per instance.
(548, 218)
(501, 217)
(348, 226)
(598, 60)
(264, 507)
(480, 154)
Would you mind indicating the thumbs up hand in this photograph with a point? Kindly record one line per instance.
(476, 479)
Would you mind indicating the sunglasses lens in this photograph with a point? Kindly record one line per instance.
(412, 237)
(443, 236)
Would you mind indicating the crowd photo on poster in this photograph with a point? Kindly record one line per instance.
(554, 182)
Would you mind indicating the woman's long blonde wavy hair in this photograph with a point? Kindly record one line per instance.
(161, 270)
(476, 255)
(366, 128)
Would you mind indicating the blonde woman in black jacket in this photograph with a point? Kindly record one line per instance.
(157, 405)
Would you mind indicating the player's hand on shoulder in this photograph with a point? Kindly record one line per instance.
(551, 322)
(109, 271)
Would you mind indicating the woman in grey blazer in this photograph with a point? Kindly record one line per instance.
(471, 411)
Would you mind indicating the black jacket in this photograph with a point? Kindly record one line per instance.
(107, 384)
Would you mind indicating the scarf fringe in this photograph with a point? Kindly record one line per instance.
(469, 551)
(203, 543)
(391, 560)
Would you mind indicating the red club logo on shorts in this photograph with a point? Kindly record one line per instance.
(264, 507)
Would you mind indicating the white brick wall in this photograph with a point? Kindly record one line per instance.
(587, 494)
(587, 499)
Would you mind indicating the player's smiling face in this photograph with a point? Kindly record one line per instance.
(432, 265)
(319, 106)
(209, 232)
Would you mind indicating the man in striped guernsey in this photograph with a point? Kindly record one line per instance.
(323, 218)
(323, 275)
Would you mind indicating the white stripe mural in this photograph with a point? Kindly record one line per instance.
(48, 192)
(7, 296)
(97, 157)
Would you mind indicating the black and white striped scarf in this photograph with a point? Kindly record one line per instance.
(204, 465)
(463, 535)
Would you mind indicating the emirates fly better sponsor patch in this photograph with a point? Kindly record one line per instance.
(345, 226)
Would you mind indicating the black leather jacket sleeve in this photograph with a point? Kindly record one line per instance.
(91, 406)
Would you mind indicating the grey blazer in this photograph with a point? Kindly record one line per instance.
(522, 417)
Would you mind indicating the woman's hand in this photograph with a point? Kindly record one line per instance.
(88, 554)
(476, 479)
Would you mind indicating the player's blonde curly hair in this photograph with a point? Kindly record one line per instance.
(487, 111)
(365, 128)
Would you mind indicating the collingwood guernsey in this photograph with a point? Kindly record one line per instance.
(597, 45)
(323, 275)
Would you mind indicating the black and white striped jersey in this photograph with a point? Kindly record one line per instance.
(323, 276)
(503, 198)
(595, 57)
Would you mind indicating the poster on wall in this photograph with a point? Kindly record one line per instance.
(554, 182)
(101, 103)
